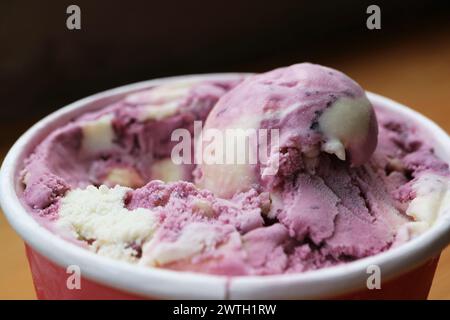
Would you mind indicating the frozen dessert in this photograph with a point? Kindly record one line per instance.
(316, 109)
(127, 143)
(338, 179)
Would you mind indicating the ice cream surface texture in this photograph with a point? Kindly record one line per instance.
(352, 179)
(316, 109)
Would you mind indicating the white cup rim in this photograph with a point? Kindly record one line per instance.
(152, 282)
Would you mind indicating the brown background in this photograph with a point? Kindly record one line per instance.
(44, 66)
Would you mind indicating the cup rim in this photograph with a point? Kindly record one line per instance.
(162, 283)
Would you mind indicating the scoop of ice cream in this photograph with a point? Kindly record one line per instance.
(316, 109)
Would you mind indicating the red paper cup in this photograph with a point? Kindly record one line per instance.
(406, 271)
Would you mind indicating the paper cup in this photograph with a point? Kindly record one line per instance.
(406, 271)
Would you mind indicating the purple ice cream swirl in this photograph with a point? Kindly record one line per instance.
(316, 110)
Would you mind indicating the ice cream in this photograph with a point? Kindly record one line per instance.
(352, 179)
(316, 109)
(127, 143)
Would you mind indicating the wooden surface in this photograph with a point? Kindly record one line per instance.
(414, 70)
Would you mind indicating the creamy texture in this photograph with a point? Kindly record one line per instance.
(115, 145)
(314, 108)
(338, 195)
(99, 216)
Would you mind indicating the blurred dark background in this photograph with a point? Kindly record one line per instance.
(44, 66)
